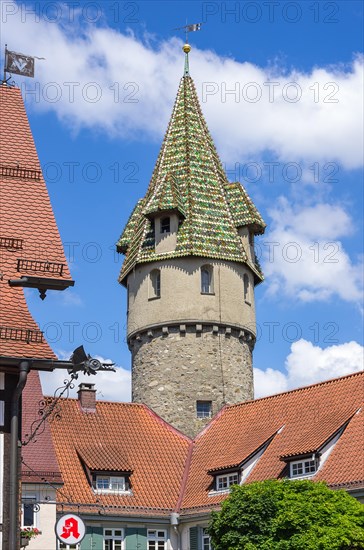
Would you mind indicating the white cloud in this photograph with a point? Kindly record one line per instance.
(307, 364)
(134, 83)
(303, 258)
(110, 386)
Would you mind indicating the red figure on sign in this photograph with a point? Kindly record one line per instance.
(70, 527)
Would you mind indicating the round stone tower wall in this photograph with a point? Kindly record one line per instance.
(176, 366)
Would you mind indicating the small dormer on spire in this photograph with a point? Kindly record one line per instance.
(166, 197)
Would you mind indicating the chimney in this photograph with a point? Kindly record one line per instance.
(87, 396)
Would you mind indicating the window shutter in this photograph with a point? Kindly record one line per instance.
(94, 538)
(195, 538)
(135, 539)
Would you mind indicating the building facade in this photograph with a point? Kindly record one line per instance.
(190, 272)
(31, 256)
(140, 484)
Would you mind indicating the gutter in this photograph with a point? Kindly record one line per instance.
(175, 515)
(24, 368)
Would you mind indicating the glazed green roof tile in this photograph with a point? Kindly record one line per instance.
(127, 234)
(166, 197)
(243, 209)
(188, 178)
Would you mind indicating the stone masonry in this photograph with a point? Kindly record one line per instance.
(175, 366)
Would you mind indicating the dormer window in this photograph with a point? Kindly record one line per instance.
(110, 484)
(303, 468)
(166, 225)
(224, 482)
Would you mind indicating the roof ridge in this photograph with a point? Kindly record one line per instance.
(103, 401)
(295, 390)
(161, 420)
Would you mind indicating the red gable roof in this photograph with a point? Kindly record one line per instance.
(39, 461)
(155, 452)
(170, 471)
(30, 244)
(308, 416)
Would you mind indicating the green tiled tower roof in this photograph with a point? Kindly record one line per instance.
(189, 179)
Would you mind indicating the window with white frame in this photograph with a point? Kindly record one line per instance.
(113, 539)
(207, 279)
(110, 484)
(29, 511)
(206, 542)
(157, 539)
(224, 482)
(64, 546)
(301, 468)
(203, 409)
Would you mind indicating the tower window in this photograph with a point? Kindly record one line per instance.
(166, 225)
(206, 280)
(155, 284)
(246, 289)
(203, 409)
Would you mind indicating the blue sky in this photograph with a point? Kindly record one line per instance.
(280, 85)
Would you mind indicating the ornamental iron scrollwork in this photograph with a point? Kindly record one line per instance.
(50, 410)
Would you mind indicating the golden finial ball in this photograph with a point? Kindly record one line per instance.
(186, 48)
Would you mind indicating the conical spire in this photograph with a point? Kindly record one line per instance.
(212, 215)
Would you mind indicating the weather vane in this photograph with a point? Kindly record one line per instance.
(186, 47)
(18, 63)
(189, 28)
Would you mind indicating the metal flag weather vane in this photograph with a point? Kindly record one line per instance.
(189, 28)
(19, 63)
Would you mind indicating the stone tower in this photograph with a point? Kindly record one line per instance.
(190, 273)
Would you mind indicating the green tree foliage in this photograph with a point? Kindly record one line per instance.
(288, 515)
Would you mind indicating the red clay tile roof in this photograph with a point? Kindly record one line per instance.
(155, 451)
(309, 416)
(169, 471)
(25, 215)
(30, 245)
(39, 459)
(104, 457)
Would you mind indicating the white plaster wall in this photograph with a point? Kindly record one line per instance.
(46, 521)
(181, 298)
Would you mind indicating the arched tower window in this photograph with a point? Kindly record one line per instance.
(166, 225)
(246, 289)
(155, 284)
(207, 279)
